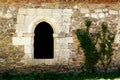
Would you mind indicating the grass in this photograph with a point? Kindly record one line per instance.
(12, 75)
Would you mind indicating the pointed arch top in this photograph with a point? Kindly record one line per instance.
(39, 19)
(46, 26)
(43, 41)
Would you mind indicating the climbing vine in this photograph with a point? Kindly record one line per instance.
(90, 44)
(106, 50)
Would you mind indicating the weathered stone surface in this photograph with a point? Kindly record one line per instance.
(84, 10)
(117, 39)
(22, 11)
(113, 12)
(87, 15)
(20, 28)
(61, 40)
(55, 35)
(94, 15)
(57, 1)
(28, 49)
(44, 12)
(28, 19)
(67, 11)
(18, 20)
(101, 15)
(31, 11)
(69, 39)
(22, 41)
(61, 46)
(29, 35)
(98, 10)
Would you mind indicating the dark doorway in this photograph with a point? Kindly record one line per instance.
(43, 41)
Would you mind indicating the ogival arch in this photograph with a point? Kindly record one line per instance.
(43, 41)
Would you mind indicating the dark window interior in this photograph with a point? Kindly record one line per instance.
(43, 41)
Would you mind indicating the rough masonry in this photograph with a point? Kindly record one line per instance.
(17, 24)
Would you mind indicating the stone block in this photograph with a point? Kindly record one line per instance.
(64, 52)
(19, 34)
(22, 41)
(8, 15)
(28, 49)
(57, 51)
(22, 11)
(101, 15)
(1, 13)
(94, 15)
(31, 11)
(104, 10)
(61, 40)
(63, 60)
(29, 19)
(65, 27)
(61, 46)
(55, 35)
(117, 39)
(119, 12)
(64, 56)
(67, 11)
(49, 61)
(66, 18)
(98, 10)
(58, 18)
(58, 29)
(57, 11)
(87, 15)
(28, 34)
(20, 28)
(61, 35)
(12, 8)
(113, 12)
(20, 19)
(84, 10)
(44, 12)
(38, 61)
(69, 39)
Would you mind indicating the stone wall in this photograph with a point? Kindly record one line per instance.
(57, 1)
(10, 55)
(17, 23)
(98, 14)
(29, 18)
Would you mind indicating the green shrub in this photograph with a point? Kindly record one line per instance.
(84, 75)
(106, 49)
(104, 39)
(88, 44)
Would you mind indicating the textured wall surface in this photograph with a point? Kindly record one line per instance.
(10, 55)
(16, 33)
(57, 1)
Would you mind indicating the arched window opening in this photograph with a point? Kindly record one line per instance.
(43, 41)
